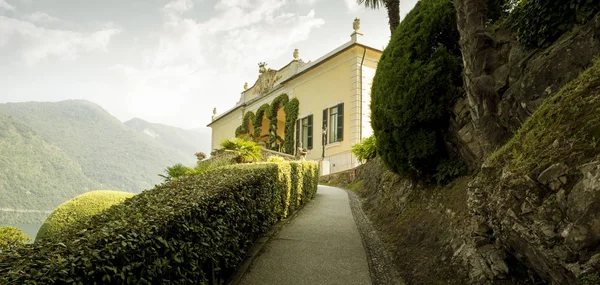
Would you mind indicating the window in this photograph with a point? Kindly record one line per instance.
(333, 123)
(304, 132)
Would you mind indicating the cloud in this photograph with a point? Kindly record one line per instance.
(178, 7)
(352, 5)
(41, 17)
(191, 62)
(306, 2)
(5, 6)
(40, 43)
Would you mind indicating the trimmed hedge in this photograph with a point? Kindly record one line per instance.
(72, 211)
(180, 232)
(12, 238)
(417, 80)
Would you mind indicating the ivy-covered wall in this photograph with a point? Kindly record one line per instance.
(274, 141)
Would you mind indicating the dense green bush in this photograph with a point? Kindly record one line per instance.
(417, 79)
(180, 232)
(243, 149)
(72, 211)
(291, 115)
(12, 238)
(366, 149)
(540, 22)
(175, 172)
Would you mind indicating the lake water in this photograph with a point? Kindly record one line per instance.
(29, 229)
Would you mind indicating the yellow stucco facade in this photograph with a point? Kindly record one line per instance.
(336, 86)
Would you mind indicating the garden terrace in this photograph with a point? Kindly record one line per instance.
(190, 231)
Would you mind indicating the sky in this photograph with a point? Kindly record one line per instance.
(168, 62)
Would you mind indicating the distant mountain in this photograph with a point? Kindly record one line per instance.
(186, 142)
(35, 175)
(52, 152)
(107, 151)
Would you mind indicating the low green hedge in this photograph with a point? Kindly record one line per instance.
(180, 232)
(72, 211)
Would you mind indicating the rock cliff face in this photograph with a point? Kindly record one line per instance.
(539, 195)
(530, 214)
(505, 83)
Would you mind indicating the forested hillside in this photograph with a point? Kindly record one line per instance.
(34, 174)
(108, 151)
(186, 142)
(52, 152)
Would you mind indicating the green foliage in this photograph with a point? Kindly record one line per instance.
(73, 211)
(212, 164)
(243, 150)
(448, 169)
(11, 238)
(175, 172)
(571, 118)
(176, 233)
(36, 174)
(244, 129)
(588, 279)
(273, 141)
(366, 149)
(181, 142)
(540, 22)
(258, 118)
(276, 159)
(417, 80)
(52, 152)
(291, 115)
(279, 102)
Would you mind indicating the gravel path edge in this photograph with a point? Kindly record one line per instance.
(381, 267)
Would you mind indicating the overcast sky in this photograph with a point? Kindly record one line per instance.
(165, 61)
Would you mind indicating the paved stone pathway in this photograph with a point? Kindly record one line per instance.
(320, 246)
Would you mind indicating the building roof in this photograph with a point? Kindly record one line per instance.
(302, 70)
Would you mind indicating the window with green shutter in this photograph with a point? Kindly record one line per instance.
(333, 122)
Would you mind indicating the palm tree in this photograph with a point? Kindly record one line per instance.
(392, 6)
(243, 150)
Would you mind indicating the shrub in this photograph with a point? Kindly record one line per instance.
(175, 172)
(276, 159)
(366, 149)
(12, 238)
(417, 80)
(213, 163)
(74, 210)
(180, 232)
(243, 149)
(540, 22)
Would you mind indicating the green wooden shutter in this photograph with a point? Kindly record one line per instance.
(340, 121)
(324, 139)
(310, 132)
(298, 129)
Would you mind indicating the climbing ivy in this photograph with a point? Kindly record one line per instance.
(239, 131)
(291, 115)
(258, 119)
(290, 107)
(280, 101)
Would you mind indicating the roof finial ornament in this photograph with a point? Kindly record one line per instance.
(356, 25)
(296, 54)
(245, 86)
(262, 67)
(214, 113)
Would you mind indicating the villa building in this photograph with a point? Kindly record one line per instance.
(320, 108)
